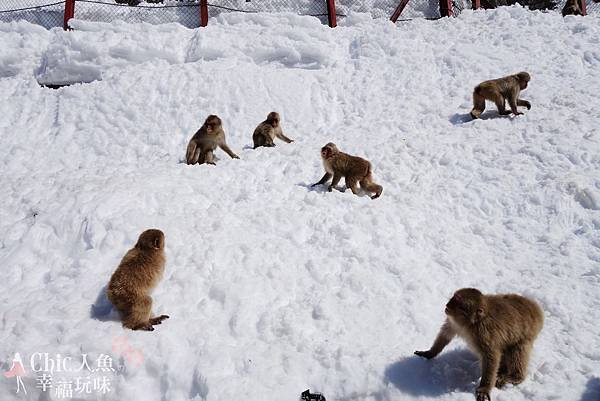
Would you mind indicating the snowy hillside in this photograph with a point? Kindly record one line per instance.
(272, 286)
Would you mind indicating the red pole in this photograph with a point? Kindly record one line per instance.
(203, 12)
(331, 17)
(398, 11)
(69, 13)
(476, 4)
(583, 7)
(446, 8)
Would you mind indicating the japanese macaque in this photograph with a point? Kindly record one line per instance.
(572, 7)
(499, 328)
(501, 90)
(138, 273)
(355, 169)
(266, 131)
(205, 141)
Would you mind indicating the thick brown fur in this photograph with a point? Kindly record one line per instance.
(499, 328)
(572, 7)
(266, 131)
(205, 141)
(138, 273)
(355, 170)
(501, 90)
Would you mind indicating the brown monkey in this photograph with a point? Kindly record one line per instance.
(498, 91)
(355, 169)
(138, 273)
(205, 141)
(268, 130)
(499, 328)
(572, 7)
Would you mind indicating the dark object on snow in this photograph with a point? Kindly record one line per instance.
(307, 396)
(572, 7)
(129, 2)
(531, 4)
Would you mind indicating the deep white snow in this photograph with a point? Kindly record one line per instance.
(272, 286)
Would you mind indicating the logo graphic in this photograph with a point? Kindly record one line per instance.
(17, 370)
(66, 377)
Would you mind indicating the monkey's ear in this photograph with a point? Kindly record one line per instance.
(156, 243)
(480, 312)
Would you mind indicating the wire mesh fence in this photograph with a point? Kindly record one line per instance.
(50, 13)
(593, 7)
(186, 12)
(47, 13)
(315, 8)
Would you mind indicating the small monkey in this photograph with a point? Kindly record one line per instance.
(266, 131)
(138, 273)
(499, 328)
(355, 169)
(501, 90)
(205, 141)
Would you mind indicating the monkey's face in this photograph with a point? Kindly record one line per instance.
(522, 84)
(273, 119)
(524, 79)
(212, 124)
(328, 150)
(465, 305)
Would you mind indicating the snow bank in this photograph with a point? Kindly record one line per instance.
(272, 286)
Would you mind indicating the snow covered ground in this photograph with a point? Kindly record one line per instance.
(272, 286)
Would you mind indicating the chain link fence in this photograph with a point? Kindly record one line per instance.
(47, 13)
(431, 8)
(50, 13)
(315, 8)
(593, 7)
(385, 8)
(186, 12)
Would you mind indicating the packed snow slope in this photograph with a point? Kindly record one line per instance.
(273, 286)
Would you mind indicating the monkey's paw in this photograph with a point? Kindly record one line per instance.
(158, 319)
(424, 354)
(330, 188)
(145, 327)
(482, 395)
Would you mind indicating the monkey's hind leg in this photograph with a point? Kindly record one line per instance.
(192, 154)
(138, 316)
(208, 158)
(259, 141)
(478, 104)
(513, 366)
(369, 186)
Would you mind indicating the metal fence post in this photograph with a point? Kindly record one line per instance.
(331, 17)
(476, 4)
(69, 13)
(583, 7)
(203, 12)
(398, 11)
(446, 8)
